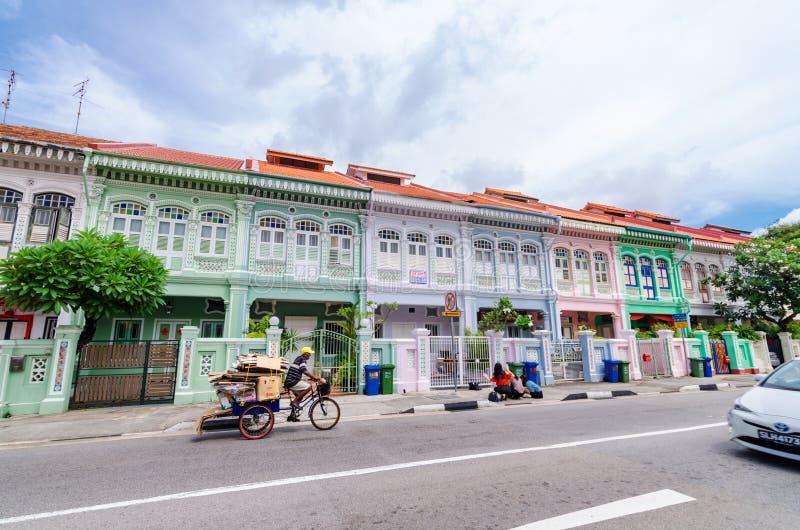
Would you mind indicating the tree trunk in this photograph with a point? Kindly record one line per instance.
(89, 329)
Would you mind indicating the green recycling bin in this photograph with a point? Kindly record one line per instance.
(624, 372)
(697, 367)
(516, 368)
(387, 379)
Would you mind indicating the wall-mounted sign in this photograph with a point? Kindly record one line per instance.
(417, 276)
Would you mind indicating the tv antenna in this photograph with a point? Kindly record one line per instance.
(12, 80)
(81, 92)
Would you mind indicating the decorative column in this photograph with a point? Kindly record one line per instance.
(495, 348)
(364, 349)
(761, 353)
(21, 227)
(787, 346)
(423, 358)
(464, 258)
(237, 312)
(274, 337)
(187, 351)
(93, 213)
(190, 248)
(705, 344)
(61, 374)
(469, 319)
(243, 211)
(324, 251)
(545, 359)
(677, 363)
(592, 373)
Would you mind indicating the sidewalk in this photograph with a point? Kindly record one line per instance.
(116, 421)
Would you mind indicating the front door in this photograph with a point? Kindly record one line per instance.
(302, 327)
(169, 329)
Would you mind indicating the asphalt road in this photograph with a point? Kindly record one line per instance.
(553, 460)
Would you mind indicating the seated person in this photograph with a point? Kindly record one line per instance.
(518, 384)
(534, 390)
(502, 382)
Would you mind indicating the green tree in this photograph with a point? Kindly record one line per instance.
(766, 278)
(784, 233)
(500, 316)
(352, 315)
(100, 275)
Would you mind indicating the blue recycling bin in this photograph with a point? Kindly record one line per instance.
(612, 370)
(707, 371)
(531, 369)
(372, 379)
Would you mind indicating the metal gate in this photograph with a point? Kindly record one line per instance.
(458, 361)
(775, 347)
(721, 360)
(334, 357)
(655, 359)
(567, 360)
(125, 373)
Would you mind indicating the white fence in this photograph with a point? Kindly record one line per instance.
(458, 361)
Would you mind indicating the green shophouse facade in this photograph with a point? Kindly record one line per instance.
(239, 244)
(648, 264)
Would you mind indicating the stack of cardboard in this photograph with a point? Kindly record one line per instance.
(259, 372)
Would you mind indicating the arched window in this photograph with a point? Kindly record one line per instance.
(306, 250)
(530, 261)
(562, 264)
(443, 261)
(600, 268)
(629, 271)
(646, 271)
(388, 249)
(50, 217)
(483, 260)
(583, 282)
(272, 238)
(686, 277)
(127, 218)
(213, 240)
(341, 248)
(507, 258)
(702, 286)
(171, 235)
(662, 273)
(8, 215)
(417, 258)
(713, 272)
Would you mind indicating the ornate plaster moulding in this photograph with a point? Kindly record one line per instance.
(39, 150)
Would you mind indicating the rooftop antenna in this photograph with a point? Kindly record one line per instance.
(81, 92)
(12, 80)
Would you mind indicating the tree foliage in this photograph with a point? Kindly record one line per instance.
(351, 317)
(500, 316)
(766, 278)
(100, 275)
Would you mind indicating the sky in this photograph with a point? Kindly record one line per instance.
(686, 108)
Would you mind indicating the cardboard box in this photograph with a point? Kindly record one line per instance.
(268, 387)
(268, 363)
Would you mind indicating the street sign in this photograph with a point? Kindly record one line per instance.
(681, 325)
(450, 302)
(680, 317)
(452, 313)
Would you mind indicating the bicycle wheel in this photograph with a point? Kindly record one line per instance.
(325, 414)
(256, 421)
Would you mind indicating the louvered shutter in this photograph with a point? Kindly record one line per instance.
(179, 234)
(219, 244)
(62, 226)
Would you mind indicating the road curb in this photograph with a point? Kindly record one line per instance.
(711, 386)
(452, 407)
(603, 394)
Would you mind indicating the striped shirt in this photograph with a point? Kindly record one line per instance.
(295, 372)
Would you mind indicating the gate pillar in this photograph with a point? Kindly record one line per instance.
(789, 351)
(364, 349)
(677, 365)
(423, 358)
(274, 337)
(591, 371)
(495, 348)
(545, 356)
(633, 351)
(65, 345)
(187, 350)
(731, 339)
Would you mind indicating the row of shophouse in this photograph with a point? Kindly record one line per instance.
(286, 235)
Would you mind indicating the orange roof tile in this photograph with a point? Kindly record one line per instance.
(167, 154)
(22, 132)
(412, 190)
(328, 177)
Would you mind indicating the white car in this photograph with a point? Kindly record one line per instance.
(767, 417)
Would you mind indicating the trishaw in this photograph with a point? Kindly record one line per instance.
(255, 419)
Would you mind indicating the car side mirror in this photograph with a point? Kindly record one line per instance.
(759, 377)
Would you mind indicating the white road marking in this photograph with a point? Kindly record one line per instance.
(342, 474)
(612, 510)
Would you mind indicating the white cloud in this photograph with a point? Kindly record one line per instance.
(793, 217)
(684, 108)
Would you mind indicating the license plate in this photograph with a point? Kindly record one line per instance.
(782, 439)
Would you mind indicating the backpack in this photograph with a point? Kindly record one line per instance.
(474, 386)
(493, 397)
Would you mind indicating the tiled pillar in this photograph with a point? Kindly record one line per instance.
(731, 339)
(633, 350)
(274, 337)
(187, 351)
(423, 358)
(545, 361)
(62, 373)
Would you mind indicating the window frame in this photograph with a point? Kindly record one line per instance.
(662, 275)
(629, 271)
(272, 226)
(128, 220)
(223, 223)
(647, 277)
(341, 236)
(562, 262)
(600, 261)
